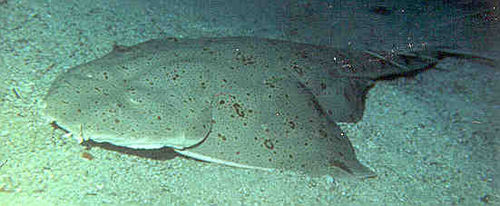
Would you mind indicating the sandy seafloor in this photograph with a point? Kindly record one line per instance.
(432, 139)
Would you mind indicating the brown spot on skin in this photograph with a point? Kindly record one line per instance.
(237, 109)
(222, 137)
(87, 155)
(297, 69)
(175, 77)
(268, 144)
(245, 59)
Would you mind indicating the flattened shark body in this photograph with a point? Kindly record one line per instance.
(240, 101)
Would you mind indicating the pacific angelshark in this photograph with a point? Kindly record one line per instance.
(241, 101)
